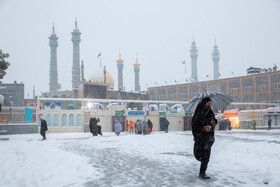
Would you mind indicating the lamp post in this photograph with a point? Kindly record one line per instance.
(11, 113)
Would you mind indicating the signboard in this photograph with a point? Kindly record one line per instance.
(136, 113)
(28, 115)
(71, 107)
(119, 113)
(173, 113)
(52, 106)
(34, 105)
(162, 113)
(188, 114)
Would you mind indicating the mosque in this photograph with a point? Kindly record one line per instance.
(100, 85)
(258, 86)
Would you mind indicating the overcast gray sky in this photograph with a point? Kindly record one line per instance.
(160, 31)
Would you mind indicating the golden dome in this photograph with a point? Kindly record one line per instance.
(98, 77)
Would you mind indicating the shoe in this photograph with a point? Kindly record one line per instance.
(204, 176)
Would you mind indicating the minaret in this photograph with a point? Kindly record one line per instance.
(120, 71)
(105, 78)
(193, 55)
(33, 91)
(53, 85)
(137, 70)
(216, 59)
(76, 57)
(82, 71)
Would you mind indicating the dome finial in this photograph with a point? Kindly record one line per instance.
(53, 28)
(120, 60)
(136, 63)
(76, 24)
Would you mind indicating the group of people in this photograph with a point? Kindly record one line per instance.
(203, 125)
(139, 127)
(225, 124)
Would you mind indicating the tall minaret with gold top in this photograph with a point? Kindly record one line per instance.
(53, 85)
(76, 39)
(137, 70)
(120, 71)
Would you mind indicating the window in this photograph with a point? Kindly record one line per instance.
(183, 94)
(194, 94)
(172, 96)
(276, 85)
(48, 120)
(71, 120)
(262, 87)
(64, 120)
(55, 120)
(235, 90)
(161, 97)
(248, 89)
(78, 120)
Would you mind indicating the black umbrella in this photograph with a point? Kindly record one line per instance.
(219, 100)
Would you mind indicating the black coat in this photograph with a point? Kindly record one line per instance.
(202, 117)
(93, 125)
(166, 123)
(44, 126)
(150, 124)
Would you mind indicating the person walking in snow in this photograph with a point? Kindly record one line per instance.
(131, 125)
(269, 124)
(166, 124)
(117, 128)
(254, 124)
(93, 125)
(203, 125)
(44, 128)
(150, 126)
(145, 127)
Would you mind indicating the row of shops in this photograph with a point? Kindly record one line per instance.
(243, 119)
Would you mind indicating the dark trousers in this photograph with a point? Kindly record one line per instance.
(43, 133)
(166, 129)
(202, 152)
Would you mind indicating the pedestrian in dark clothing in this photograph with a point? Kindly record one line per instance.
(44, 128)
(254, 124)
(166, 124)
(203, 125)
(150, 126)
(269, 124)
(93, 126)
(228, 124)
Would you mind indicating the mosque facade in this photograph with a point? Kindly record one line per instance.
(258, 86)
(100, 78)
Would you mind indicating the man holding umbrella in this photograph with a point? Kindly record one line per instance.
(203, 125)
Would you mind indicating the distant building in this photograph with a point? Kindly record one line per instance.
(59, 94)
(258, 88)
(93, 90)
(13, 94)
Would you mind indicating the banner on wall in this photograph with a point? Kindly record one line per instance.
(34, 105)
(135, 113)
(52, 106)
(28, 115)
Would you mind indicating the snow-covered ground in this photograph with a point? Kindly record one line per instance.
(238, 158)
